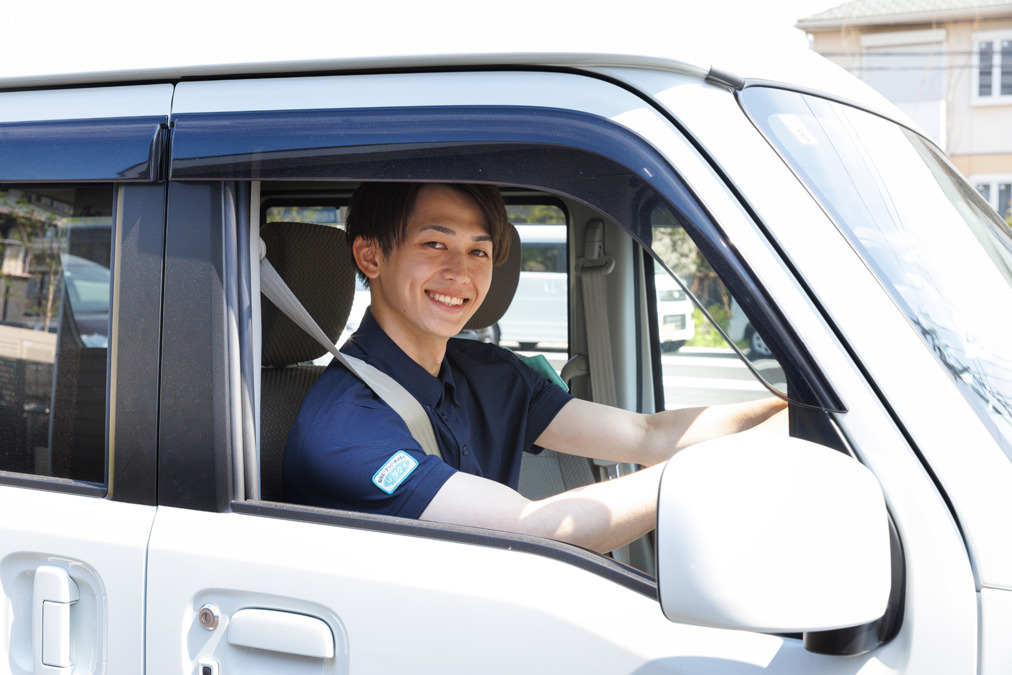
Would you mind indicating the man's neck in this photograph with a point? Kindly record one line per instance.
(427, 351)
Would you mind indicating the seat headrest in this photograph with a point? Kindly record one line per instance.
(505, 278)
(316, 263)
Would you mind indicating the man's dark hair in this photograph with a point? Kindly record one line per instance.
(380, 211)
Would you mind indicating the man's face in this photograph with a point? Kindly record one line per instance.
(430, 285)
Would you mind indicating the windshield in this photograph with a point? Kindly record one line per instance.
(943, 254)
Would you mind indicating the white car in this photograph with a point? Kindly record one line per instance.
(144, 526)
(674, 313)
(539, 313)
(740, 330)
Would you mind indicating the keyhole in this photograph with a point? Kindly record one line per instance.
(208, 616)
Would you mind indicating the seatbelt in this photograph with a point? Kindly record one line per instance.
(592, 269)
(384, 386)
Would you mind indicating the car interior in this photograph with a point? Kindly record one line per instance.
(302, 233)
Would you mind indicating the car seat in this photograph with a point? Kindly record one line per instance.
(316, 263)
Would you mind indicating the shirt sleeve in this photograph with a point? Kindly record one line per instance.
(359, 455)
(545, 401)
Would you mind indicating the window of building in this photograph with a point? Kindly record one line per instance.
(54, 330)
(993, 67)
(997, 191)
(909, 68)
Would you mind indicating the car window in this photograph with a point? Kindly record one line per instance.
(54, 330)
(323, 215)
(544, 257)
(708, 335)
(610, 200)
(942, 253)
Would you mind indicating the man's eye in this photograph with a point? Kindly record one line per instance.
(434, 244)
(481, 253)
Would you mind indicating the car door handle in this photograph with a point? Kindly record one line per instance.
(284, 632)
(53, 594)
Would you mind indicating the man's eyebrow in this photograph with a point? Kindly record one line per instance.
(450, 231)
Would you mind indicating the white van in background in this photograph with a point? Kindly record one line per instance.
(674, 312)
(539, 313)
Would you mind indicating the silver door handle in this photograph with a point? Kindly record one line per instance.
(53, 594)
(284, 632)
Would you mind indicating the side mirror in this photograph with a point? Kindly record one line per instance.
(765, 533)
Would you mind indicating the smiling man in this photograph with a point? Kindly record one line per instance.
(427, 252)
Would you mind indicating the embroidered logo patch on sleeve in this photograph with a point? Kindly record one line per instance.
(394, 472)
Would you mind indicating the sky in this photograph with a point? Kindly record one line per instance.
(776, 17)
(72, 36)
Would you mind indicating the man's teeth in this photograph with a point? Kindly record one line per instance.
(447, 299)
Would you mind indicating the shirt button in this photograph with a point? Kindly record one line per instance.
(465, 449)
(444, 418)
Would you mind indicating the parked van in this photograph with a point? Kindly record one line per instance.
(674, 312)
(145, 528)
(539, 313)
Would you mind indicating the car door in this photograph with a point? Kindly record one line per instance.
(81, 217)
(237, 584)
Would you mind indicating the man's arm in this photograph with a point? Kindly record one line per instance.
(601, 516)
(607, 515)
(593, 430)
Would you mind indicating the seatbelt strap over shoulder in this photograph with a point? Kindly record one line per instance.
(384, 386)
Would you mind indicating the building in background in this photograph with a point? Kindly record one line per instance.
(946, 63)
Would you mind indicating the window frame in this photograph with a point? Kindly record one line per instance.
(124, 155)
(603, 165)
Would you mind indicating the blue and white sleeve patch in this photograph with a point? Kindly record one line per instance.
(393, 473)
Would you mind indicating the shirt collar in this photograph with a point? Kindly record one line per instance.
(371, 344)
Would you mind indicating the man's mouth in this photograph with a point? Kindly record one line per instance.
(446, 299)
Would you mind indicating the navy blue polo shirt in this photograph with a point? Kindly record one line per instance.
(349, 450)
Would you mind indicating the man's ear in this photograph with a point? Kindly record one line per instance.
(367, 256)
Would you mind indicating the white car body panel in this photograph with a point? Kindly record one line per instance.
(438, 607)
(995, 616)
(104, 546)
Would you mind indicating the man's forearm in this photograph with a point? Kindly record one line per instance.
(671, 430)
(602, 516)
(602, 432)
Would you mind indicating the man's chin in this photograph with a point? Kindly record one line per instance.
(449, 326)
(453, 329)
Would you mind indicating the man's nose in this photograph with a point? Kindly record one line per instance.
(455, 265)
